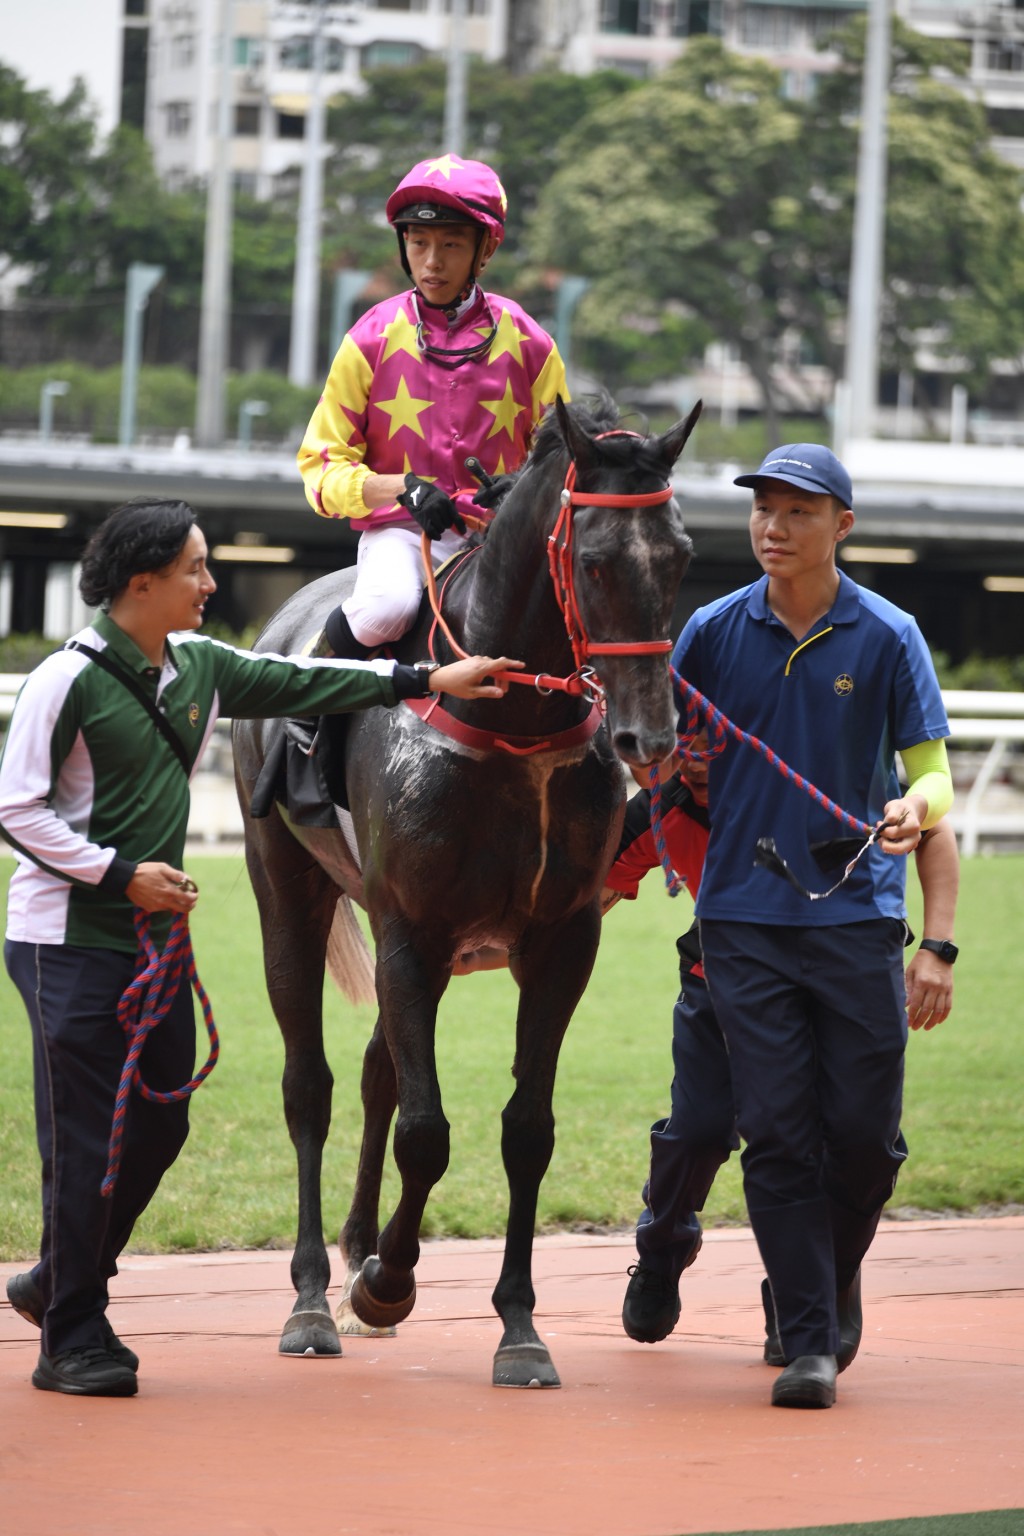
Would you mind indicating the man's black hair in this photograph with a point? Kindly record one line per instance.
(142, 535)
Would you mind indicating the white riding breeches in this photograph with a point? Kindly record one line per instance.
(390, 581)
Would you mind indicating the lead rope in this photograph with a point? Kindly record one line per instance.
(718, 725)
(143, 1005)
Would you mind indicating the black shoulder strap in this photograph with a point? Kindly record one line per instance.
(164, 726)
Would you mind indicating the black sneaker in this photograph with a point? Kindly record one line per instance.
(27, 1300)
(651, 1306)
(89, 1372)
(118, 1351)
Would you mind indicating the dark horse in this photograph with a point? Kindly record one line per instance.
(500, 837)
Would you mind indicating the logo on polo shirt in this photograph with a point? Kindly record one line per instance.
(843, 684)
(193, 714)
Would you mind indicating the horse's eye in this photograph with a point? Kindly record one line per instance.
(593, 567)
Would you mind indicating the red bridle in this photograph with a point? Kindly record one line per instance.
(560, 552)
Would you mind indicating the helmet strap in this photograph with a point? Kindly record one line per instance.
(452, 357)
(453, 310)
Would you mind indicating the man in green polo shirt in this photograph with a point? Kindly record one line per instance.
(94, 799)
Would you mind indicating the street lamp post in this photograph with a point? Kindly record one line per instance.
(306, 290)
(570, 290)
(455, 82)
(214, 314)
(349, 283)
(866, 261)
(142, 279)
(50, 389)
(249, 409)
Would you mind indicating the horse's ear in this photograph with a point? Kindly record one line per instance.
(672, 442)
(580, 446)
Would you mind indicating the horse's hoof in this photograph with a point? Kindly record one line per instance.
(369, 1308)
(524, 1365)
(351, 1326)
(310, 1333)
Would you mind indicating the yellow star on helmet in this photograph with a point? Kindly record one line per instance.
(504, 412)
(401, 337)
(443, 166)
(507, 338)
(404, 410)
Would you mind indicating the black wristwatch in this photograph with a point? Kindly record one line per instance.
(943, 948)
(423, 670)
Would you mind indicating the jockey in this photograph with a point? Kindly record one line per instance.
(440, 373)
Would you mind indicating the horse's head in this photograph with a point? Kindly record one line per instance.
(624, 553)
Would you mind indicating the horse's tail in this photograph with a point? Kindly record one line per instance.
(348, 957)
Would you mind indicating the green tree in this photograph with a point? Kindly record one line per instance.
(676, 203)
(706, 197)
(46, 148)
(954, 236)
(78, 211)
(518, 124)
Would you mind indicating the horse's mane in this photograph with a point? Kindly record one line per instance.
(595, 417)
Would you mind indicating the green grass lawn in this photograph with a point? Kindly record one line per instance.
(234, 1185)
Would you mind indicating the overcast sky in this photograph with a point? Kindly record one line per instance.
(49, 42)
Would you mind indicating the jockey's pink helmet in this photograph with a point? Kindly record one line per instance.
(436, 189)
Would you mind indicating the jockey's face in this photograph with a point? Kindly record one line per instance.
(441, 259)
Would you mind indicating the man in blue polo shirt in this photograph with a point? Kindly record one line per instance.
(810, 994)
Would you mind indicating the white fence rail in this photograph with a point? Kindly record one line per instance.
(977, 720)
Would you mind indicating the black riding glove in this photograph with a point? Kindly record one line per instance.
(492, 494)
(432, 509)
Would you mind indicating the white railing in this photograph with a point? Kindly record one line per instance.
(976, 718)
(979, 717)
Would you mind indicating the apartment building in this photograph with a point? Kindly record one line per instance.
(273, 71)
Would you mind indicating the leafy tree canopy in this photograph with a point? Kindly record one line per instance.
(517, 124)
(706, 193)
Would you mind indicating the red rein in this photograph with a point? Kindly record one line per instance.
(560, 552)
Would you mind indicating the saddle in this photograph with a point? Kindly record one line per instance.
(304, 770)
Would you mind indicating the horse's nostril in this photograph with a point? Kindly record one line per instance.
(627, 745)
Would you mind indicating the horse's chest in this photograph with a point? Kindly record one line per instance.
(528, 835)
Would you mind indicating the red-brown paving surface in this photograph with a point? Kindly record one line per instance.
(407, 1436)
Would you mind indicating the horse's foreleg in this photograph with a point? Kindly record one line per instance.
(359, 1235)
(552, 970)
(296, 906)
(385, 1290)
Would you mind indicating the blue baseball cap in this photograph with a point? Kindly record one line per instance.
(807, 465)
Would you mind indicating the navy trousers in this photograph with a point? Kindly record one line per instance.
(816, 1026)
(689, 1147)
(79, 1050)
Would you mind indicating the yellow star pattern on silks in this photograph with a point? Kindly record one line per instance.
(405, 410)
(504, 412)
(507, 338)
(443, 166)
(401, 337)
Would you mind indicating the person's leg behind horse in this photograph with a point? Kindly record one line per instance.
(687, 1150)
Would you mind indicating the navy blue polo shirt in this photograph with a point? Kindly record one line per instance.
(836, 707)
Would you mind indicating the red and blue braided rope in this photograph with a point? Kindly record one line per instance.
(144, 1004)
(718, 726)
